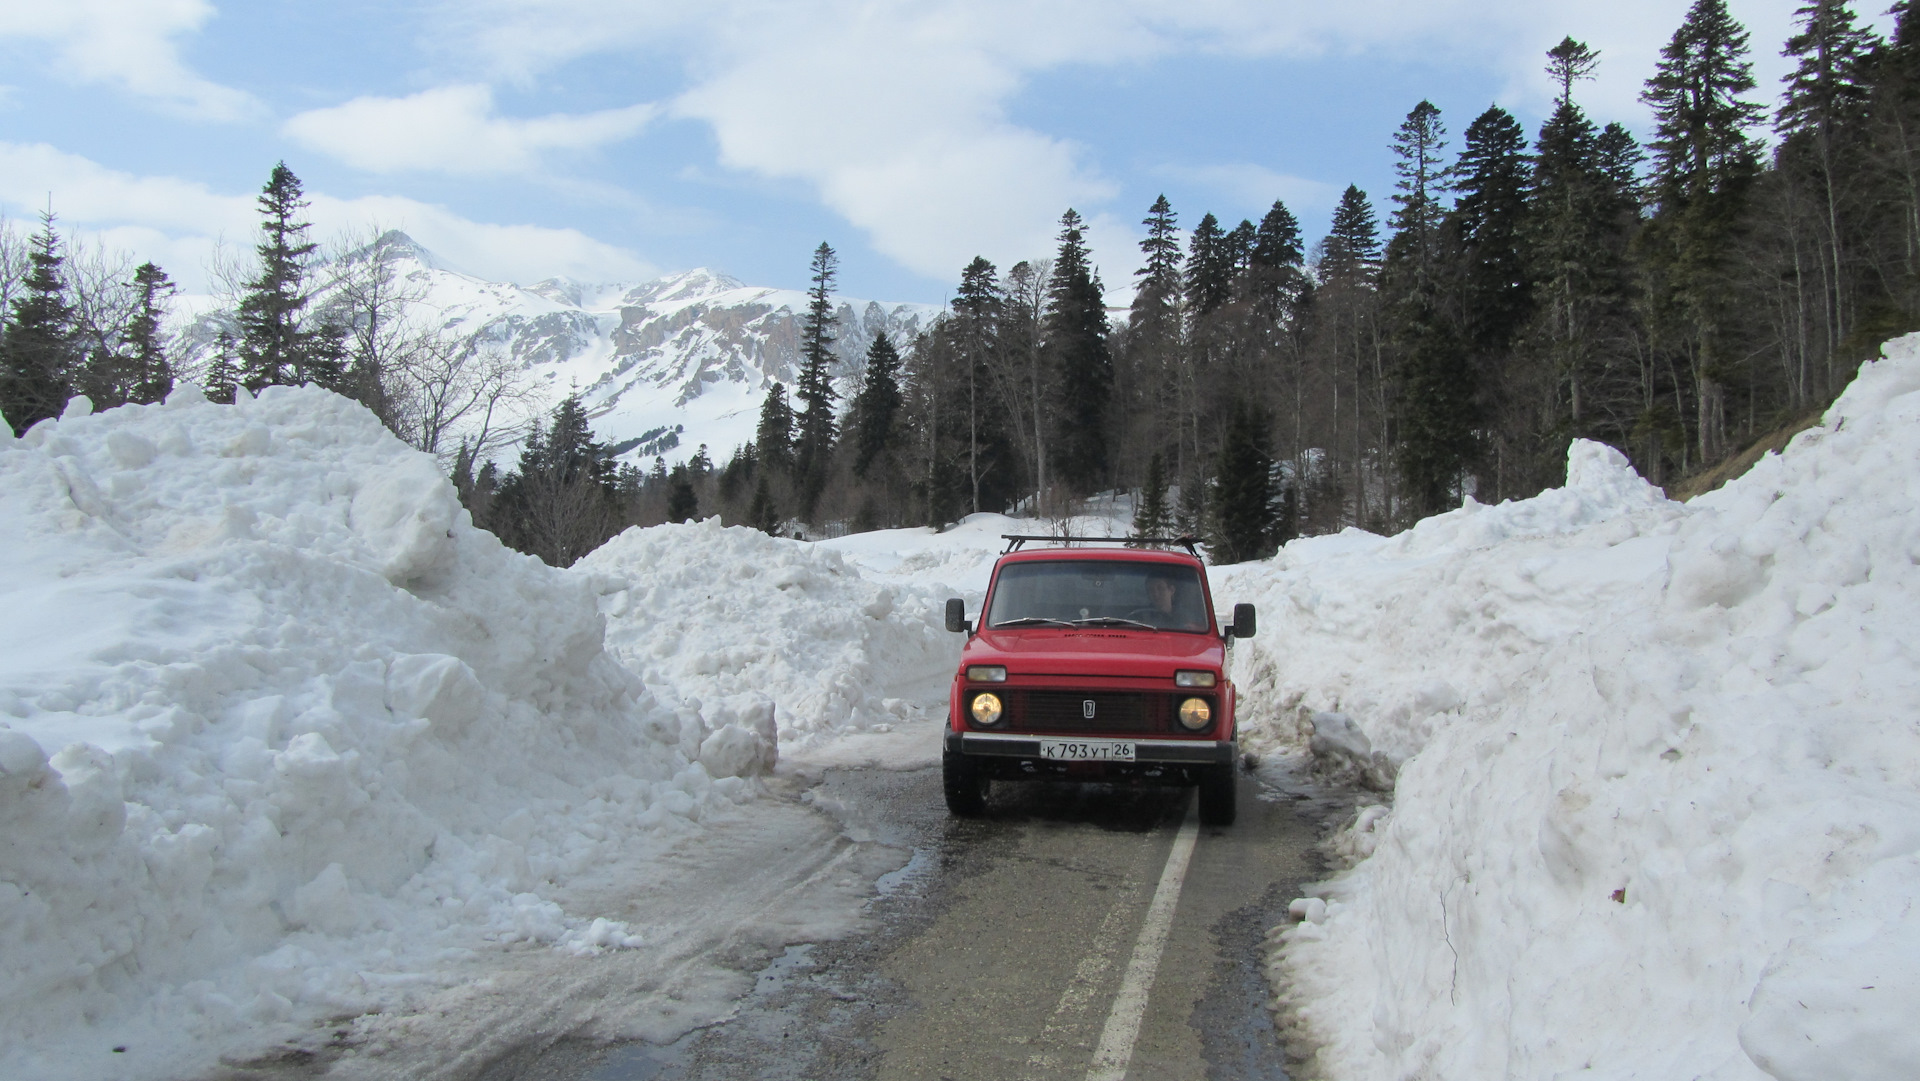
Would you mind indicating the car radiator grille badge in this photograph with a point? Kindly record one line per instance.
(1112, 713)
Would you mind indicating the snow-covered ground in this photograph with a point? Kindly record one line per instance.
(283, 737)
(1656, 812)
(284, 740)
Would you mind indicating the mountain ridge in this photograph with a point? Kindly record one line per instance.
(661, 365)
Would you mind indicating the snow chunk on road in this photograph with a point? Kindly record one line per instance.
(1669, 825)
(280, 731)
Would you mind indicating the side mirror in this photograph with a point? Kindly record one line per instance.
(1243, 621)
(957, 615)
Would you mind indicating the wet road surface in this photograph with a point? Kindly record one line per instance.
(1061, 936)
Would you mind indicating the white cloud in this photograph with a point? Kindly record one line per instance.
(1253, 188)
(895, 112)
(129, 44)
(516, 253)
(453, 129)
(179, 223)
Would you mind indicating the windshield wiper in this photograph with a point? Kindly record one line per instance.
(1025, 620)
(1113, 621)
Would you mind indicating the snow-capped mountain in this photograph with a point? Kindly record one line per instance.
(663, 366)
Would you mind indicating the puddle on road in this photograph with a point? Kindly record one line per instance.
(915, 869)
(646, 1062)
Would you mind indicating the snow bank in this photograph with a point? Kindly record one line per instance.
(1368, 644)
(1656, 810)
(778, 632)
(283, 736)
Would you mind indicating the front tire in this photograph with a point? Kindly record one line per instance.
(1217, 803)
(966, 788)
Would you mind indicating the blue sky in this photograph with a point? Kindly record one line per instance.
(620, 139)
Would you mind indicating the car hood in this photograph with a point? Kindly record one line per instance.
(1094, 651)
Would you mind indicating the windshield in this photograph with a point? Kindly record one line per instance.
(1085, 592)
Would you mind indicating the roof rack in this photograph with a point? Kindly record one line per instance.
(1184, 540)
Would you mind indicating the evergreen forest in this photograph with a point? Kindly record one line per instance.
(1681, 299)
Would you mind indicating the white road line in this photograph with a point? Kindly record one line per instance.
(1115, 1052)
(1068, 1016)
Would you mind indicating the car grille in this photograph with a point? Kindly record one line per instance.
(1065, 711)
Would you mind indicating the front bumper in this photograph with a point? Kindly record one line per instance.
(1022, 745)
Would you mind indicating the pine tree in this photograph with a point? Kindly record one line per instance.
(39, 353)
(1348, 304)
(1350, 252)
(1152, 517)
(277, 343)
(561, 503)
(1075, 341)
(222, 374)
(1244, 508)
(1191, 511)
(876, 408)
(1155, 315)
(773, 438)
(1277, 241)
(1823, 124)
(1414, 253)
(1147, 371)
(150, 373)
(1704, 163)
(1565, 240)
(1437, 414)
(682, 504)
(1489, 223)
(1209, 271)
(269, 313)
(1617, 157)
(813, 448)
(1893, 175)
(1586, 370)
(1282, 296)
(1238, 250)
(975, 332)
(1153, 321)
(761, 512)
(1570, 62)
(741, 466)
(1489, 217)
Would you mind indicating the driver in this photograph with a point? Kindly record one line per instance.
(1163, 588)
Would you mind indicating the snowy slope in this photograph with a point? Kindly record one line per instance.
(1656, 811)
(664, 365)
(283, 737)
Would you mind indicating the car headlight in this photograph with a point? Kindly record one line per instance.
(1195, 714)
(1192, 678)
(987, 673)
(986, 709)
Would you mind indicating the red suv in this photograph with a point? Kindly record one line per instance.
(1094, 664)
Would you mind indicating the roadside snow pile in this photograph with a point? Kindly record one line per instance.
(958, 560)
(767, 631)
(283, 736)
(1369, 644)
(1657, 811)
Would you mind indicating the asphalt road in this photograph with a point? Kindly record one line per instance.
(1075, 932)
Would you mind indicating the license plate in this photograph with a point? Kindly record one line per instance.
(1080, 750)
